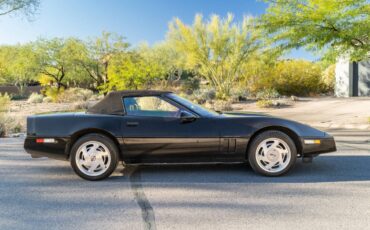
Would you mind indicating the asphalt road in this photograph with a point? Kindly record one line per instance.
(331, 193)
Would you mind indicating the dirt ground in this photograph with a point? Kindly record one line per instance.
(327, 112)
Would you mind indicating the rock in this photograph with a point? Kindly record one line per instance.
(17, 135)
(294, 98)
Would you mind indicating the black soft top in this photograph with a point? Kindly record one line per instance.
(112, 103)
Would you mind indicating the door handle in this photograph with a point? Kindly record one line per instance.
(132, 123)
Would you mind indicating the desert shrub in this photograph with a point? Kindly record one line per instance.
(265, 103)
(47, 100)
(53, 93)
(4, 102)
(8, 125)
(80, 105)
(266, 94)
(35, 98)
(75, 94)
(268, 103)
(2, 127)
(15, 97)
(328, 79)
(16, 128)
(81, 94)
(221, 105)
(190, 84)
(203, 95)
(96, 97)
(4, 105)
(239, 94)
(68, 95)
(294, 77)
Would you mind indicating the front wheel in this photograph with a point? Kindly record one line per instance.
(94, 157)
(272, 153)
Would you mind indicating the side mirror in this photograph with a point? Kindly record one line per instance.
(185, 116)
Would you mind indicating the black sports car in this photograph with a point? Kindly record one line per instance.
(160, 127)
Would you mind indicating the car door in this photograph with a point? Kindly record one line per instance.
(153, 131)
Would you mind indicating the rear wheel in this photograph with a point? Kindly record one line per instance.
(94, 157)
(272, 153)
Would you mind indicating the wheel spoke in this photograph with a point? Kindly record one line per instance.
(82, 162)
(102, 164)
(93, 166)
(85, 154)
(283, 151)
(270, 165)
(275, 145)
(264, 147)
(281, 159)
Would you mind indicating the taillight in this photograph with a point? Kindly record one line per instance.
(45, 140)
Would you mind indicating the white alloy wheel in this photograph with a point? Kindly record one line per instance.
(93, 158)
(273, 155)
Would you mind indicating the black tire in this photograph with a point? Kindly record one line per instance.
(113, 152)
(252, 152)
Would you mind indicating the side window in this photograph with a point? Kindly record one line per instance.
(151, 106)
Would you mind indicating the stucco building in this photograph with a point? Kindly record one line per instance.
(352, 78)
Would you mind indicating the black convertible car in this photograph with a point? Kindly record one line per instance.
(139, 127)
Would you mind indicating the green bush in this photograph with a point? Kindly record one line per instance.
(53, 93)
(266, 94)
(35, 98)
(4, 102)
(265, 103)
(15, 97)
(239, 94)
(294, 77)
(328, 79)
(190, 83)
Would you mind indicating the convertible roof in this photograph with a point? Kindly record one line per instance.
(112, 103)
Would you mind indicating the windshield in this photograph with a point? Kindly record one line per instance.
(194, 107)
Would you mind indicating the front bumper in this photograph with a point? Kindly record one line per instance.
(326, 145)
(57, 150)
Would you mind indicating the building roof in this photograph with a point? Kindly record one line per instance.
(112, 103)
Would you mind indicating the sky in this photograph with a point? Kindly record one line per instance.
(137, 20)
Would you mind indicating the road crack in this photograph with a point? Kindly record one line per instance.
(147, 211)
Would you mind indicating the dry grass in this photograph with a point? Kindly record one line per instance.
(4, 102)
(35, 98)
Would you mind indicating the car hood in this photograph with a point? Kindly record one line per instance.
(260, 121)
(236, 114)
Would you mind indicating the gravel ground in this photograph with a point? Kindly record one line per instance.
(331, 193)
(325, 112)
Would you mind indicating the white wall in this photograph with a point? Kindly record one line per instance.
(343, 69)
(364, 78)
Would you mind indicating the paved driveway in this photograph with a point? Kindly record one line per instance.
(331, 193)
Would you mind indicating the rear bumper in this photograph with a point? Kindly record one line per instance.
(326, 145)
(57, 150)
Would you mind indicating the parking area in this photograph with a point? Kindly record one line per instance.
(331, 193)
